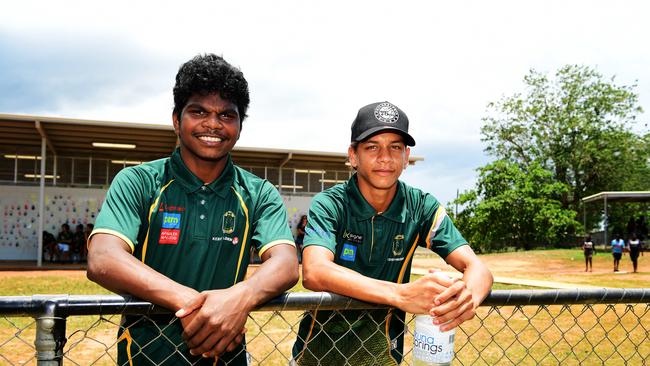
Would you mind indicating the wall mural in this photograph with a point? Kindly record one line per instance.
(19, 209)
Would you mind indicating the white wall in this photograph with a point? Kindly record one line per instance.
(296, 207)
(19, 210)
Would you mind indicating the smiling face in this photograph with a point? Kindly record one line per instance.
(208, 128)
(379, 161)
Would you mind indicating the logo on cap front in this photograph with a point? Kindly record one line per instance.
(387, 113)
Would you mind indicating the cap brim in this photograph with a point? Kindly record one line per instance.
(408, 139)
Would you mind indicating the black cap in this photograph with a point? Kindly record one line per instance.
(381, 116)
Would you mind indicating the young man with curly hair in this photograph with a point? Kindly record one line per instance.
(177, 232)
(359, 242)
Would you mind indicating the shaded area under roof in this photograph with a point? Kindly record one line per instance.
(73, 137)
(632, 196)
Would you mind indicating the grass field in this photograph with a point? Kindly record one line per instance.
(524, 333)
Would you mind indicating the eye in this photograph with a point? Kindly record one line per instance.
(198, 112)
(228, 116)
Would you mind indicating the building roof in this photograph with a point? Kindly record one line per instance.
(632, 196)
(74, 137)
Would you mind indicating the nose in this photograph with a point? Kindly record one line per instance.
(384, 155)
(212, 121)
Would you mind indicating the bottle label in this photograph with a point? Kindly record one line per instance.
(430, 345)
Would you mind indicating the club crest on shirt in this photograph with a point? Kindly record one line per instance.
(228, 223)
(387, 113)
(398, 245)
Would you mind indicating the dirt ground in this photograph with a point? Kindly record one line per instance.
(515, 264)
(524, 265)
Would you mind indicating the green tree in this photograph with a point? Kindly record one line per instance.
(515, 206)
(576, 125)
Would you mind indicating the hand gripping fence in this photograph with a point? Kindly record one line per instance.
(605, 326)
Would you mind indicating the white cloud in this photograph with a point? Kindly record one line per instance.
(312, 65)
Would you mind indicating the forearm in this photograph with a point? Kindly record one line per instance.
(479, 281)
(277, 273)
(331, 277)
(120, 272)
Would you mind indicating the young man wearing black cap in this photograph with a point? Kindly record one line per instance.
(177, 232)
(359, 242)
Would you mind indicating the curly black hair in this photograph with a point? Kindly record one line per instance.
(207, 74)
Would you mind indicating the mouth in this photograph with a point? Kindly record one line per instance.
(384, 172)
(210, 139)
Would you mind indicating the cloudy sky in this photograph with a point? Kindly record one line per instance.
(311, 65)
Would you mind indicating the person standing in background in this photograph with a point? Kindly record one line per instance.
(588, 248)
(300, 234)
(634, 246)
(617, 250)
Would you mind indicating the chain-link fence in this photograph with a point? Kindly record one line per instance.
(518, 327)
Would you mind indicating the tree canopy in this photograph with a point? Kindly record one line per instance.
(561, 139)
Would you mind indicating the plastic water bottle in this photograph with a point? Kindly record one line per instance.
(431, 347)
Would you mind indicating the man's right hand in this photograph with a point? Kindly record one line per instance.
(216, 320)
(417, 297)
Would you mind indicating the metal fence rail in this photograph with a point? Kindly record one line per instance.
(516, 327)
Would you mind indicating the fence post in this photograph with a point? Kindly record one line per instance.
(50, 336)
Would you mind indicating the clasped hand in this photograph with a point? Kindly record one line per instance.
(213, 321)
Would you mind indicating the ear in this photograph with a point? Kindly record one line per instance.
(177, 124)
(407, 153)
(352, 157)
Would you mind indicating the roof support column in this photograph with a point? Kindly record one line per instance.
(606, 221)
(282, 164)
(41, 205)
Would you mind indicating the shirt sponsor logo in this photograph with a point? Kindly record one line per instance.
(167, 207)
(352, 237)
(349, 252)
(169, 236)
(319, 232)
(171, 221)
(228, 223)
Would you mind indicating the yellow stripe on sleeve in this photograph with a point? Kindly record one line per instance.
(440, 215)
(274, 243)
(114, 233)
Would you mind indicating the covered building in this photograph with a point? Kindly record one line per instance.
(56, 170)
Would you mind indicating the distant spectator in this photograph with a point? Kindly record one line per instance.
(50, 251)
(78, 242)
(634, 246)
(588, 248)
(642, 228)
(300, 233)
(64, 241)
(617, 250)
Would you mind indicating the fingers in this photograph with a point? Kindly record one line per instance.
(192, 305)
(454, 306)
(215, 345)
(455, 287)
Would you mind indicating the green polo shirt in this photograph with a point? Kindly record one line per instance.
(377, 245)
(197, 234)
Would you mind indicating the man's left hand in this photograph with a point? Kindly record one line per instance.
(453, 306)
